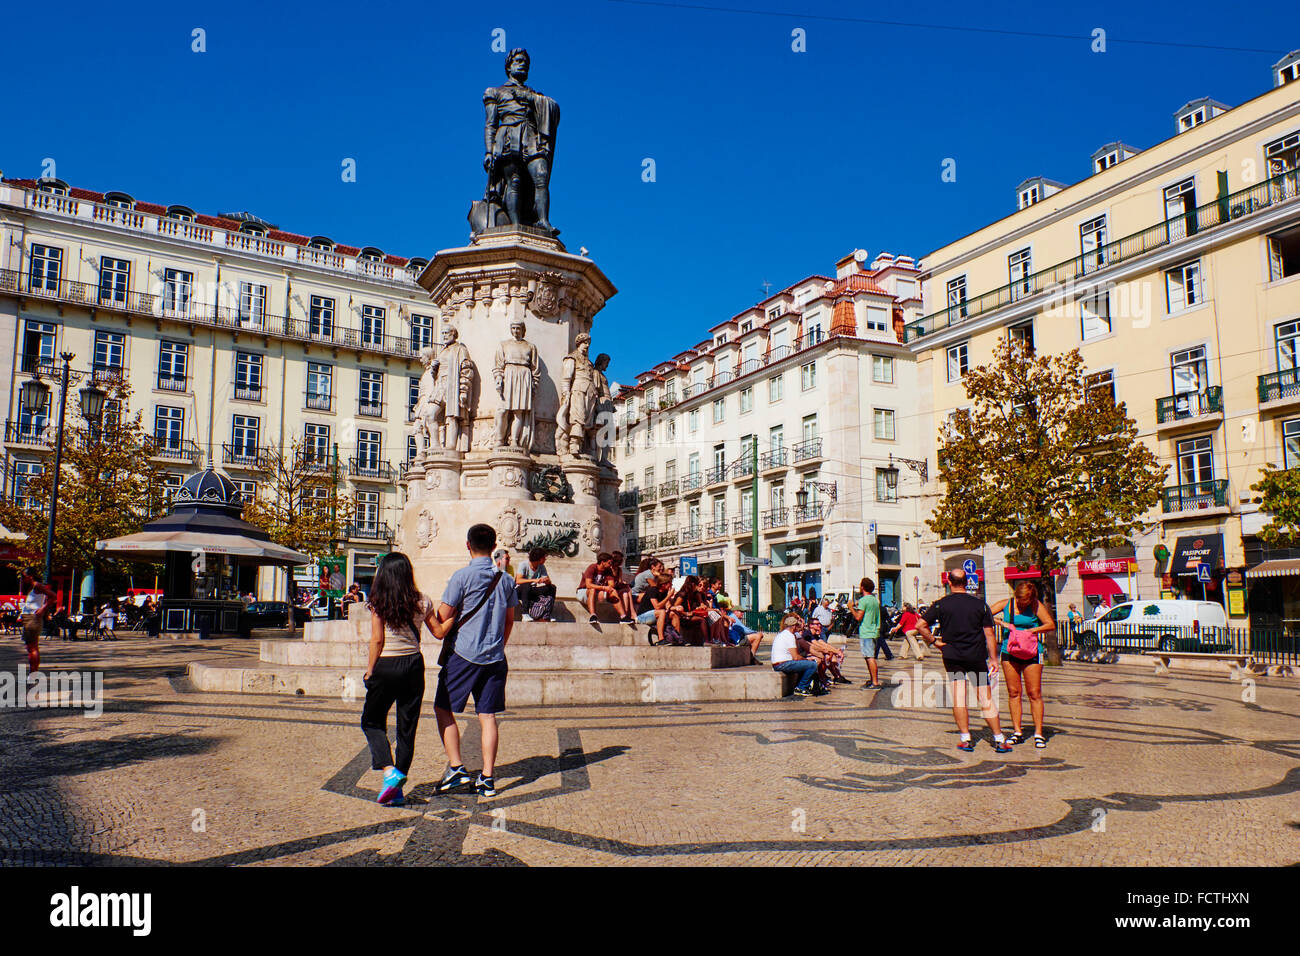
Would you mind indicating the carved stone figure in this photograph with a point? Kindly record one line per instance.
(546, 296)
(516, 371)
(442, 406)
(579, 394)
(604, 416)
(519, 145)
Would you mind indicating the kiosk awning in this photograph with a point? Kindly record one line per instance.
(156, 544)
(1275, 569)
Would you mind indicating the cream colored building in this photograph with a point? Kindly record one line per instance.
(1175, 269)
(816, 382)
(235, 337)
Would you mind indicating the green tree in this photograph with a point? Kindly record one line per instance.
(1042, 465)
(1279, 495)
(109, 485)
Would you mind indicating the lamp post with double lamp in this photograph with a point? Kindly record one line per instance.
(35, 397)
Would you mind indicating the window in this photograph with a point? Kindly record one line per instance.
(39, 342)
(316, 499)
(720, 340)
(1190, 119)
(650, 477)
(693, 420)
(693, 464)
(368, 447)
(777, 498)
(169, 485)
(776, 388)
(877, 318)
(412, 396)
(958, 361)
(368, 512)
(670, 471)
(421, 332)
(320, 381)
(1183, 287)
(746, 326)
(719, 516)
(813, 329)
(22, 474)
(1286, 342)
(371, 401)
(957, 297)
(245, 431)
(177, 286)
(1283, 155)
(808, 376)
(809, 427)
(1023, 336)
(1180, 209)
(1189, 372)
(1284, 255)
(886, 485)
(46, 268)
(411, 448)
(776, 438)
(372, 325)
(883, 423)
(252, 305)
(749, 359)
(1028, 196)
(247, 490)
(719, 409)
(719, 458)
(168, 427)
(248, 376)
(746, 400)
(1094, 316)
(889, 550)
(316, 443)
(905, 288)
(114, 280)
(1019, 266)
(1195, 460)
(1107, 161)
(1100, 387)
(1092, 243)
(173, 358)
(670, 430)
(1291, 443)
(110, 354)
(321, 317)
(882, 369)
(649, 399)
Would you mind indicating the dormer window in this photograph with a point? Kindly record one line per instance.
(720, 339)
(182, 213)
(252, 228)
(416, 265)
(1194, 118)
(1106, 161)
(119, 201)
(1287, 69)
(56, 187)
(321, 244)
(371, 254)
(1029, 196)
(774, 311)
(746, 326)
(1283, 155)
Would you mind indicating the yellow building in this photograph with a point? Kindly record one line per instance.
(234, 336)
(1175, 270)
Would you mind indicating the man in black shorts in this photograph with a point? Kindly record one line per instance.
(970, 653)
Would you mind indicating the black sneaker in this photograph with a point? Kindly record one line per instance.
(485, 786)
(593, 620)
(453, 779)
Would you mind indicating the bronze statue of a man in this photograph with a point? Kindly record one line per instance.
(519, 144)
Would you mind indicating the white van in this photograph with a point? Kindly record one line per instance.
(1156, 625)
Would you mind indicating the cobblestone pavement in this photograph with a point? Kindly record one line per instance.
(1140, 769)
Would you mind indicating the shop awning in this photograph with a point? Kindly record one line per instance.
(1191, 550)
(1027, 574)
(156, 544)
(1275, 569)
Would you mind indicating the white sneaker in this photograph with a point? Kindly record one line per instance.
(528, 617)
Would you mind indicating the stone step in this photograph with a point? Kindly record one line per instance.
(356, 627)
(523, 656)
(524, 632)
(525, 687)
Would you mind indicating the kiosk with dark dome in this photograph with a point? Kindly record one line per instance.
(202, 541)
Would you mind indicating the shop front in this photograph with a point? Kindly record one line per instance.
(796, 572)
(1108, 581)
(1182, 579)
(1272, 587)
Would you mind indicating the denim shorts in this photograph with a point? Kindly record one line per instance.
(646, 617)
(459, 678)
(868, 646)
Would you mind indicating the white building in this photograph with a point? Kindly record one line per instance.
(815, 383)
(235, 337)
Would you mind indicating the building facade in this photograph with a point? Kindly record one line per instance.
(797, 415)
(1175, 269)
(234, 336)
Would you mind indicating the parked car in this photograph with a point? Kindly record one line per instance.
(262, 614)
(1157, 625)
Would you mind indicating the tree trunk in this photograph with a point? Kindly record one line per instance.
(1047, 593)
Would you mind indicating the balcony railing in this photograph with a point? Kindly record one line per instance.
(27, 433)
(717, 528)
(175, 449)
(743, 467)
(1283, 188)
(104, 374)
(371, 468)
(743, 525)
(716, 475)
(813, 511)
(646, 542)
(195, 313)
(1276, 385)
(172, 383)
(315, 461)
(668, 489)
(370, 409)
(1189, 405)
(1197, 496)
(245, 456)
(369, 531)
(35, 363)
(690, 535)
(248, 393)
(776, 458)
(693, 481)
(650, 493)
(319, 401)
(668, 539)
(776, 518)
(807, 450)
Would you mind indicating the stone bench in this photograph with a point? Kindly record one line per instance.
(1238, 661)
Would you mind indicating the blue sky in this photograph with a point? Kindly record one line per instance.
(770, 164)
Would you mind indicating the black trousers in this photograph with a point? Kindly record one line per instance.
(397, 680)
(528, 593)
(883, 648)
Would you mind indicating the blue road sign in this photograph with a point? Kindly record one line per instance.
(969, 566)
(1203, 573)
(690, 564)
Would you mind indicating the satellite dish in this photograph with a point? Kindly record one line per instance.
(859, 255)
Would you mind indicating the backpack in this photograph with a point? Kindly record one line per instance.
(542, 608)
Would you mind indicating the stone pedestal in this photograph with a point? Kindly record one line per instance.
(508, 470)
(441, 476)
(584, 475)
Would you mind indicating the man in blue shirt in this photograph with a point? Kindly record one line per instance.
(483, 599)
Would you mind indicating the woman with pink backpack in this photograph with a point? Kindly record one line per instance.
(1023, 619)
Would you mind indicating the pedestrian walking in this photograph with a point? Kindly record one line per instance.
(970, 655)
(38, 602)
(1023, 619)
(395, 670)
(479, 600)
(906, 626)
(867, 614)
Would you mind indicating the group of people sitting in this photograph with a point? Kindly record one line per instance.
(802, 648)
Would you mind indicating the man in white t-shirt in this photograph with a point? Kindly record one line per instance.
(787, 659)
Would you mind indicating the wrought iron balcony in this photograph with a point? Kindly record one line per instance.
(248, 393)
(1197, 496)
(369, 531)
(320, 401)
(1173, 408)
(650, 493)
(105, 374)
(743, 467)
(668, 539)
(716, 475)
(776, 458)
(691, 535)
(743, 525)
(171, 382)
(313, 460)
(646, 542)
(813, 511)
(370, 468)
(245, 456)
(693, 481)
(1279, 385)
(717, 528)
(776, 518)
(807, 450)
(668, 489)
(30, 434)
(175, 449)
(367, 408)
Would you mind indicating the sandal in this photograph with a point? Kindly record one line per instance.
(1040, 742)
(1017, 737)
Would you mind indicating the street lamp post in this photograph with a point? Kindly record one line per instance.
(35, 396)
